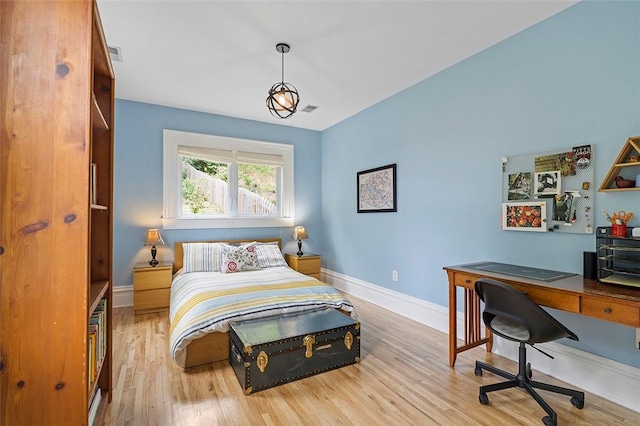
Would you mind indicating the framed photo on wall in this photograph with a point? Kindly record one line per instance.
(547, 184)
(376, 190)
(519, 186)
(524, 216)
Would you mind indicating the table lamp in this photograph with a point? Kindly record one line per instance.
(299, 234)
(153, 239)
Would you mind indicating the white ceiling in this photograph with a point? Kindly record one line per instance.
(219, 56)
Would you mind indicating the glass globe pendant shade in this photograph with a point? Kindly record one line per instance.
(283, 100)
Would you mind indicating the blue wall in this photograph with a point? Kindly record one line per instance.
(570, 80)
(138, 181)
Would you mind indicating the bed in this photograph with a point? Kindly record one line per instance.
(205, 299)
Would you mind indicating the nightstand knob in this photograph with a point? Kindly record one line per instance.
(607, 310)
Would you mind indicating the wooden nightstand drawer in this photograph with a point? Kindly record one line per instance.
(152, 286)
(308, 264)
(151, 300)
(608, 311)
(152, 278)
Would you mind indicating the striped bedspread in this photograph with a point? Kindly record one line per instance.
(205, 302)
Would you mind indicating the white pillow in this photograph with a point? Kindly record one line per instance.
(201, 257)
(269, 255)
(239, 258)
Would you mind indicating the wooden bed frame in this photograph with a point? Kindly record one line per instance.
(213, 346)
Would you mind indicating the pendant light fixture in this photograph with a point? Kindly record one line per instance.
(283, 97)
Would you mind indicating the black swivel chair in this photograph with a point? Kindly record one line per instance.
(509, 313)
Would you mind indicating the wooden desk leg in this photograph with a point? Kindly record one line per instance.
(453, 314)
(472, 321)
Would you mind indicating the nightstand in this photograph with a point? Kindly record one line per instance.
(151, 287)
(308, 264)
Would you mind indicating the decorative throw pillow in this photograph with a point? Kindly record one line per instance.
(201, 257)
(269, 255)
(239, 258)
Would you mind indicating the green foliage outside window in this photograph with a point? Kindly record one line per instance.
(217, 170)
(256, 178)
(259, 179)
(193, 196)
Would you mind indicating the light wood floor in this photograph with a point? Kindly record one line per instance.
(403, 379)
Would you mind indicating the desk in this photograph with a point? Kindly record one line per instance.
(573, 294)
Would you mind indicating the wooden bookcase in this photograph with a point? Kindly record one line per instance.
(57, 111)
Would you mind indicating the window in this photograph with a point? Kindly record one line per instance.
(218, 182)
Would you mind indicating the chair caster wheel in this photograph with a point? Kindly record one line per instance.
(577, 402)
(478, 371)
(483, 398)
(529, 371)
(548, 421)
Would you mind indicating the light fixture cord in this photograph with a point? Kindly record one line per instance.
(282, 66)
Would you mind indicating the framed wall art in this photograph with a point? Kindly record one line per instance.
(519, 186)
(525, 216)
(376, 190)
(547, 184)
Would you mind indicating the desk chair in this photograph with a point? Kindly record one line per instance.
(509, 313)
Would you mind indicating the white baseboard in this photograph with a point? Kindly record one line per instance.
(601, 376)
(435, 316)
(122, 296)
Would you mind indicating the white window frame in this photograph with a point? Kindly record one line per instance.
(172, 182)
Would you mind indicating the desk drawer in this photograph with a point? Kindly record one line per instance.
(553, 299)
(465, 280)
(611, 311)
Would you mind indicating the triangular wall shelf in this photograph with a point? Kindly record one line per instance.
(628, 162)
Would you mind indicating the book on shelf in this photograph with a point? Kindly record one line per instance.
(94, 404)
(94, 183)
(97, 339)
(92, 354)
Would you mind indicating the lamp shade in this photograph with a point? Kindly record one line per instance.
(154, 238)
(299, 233)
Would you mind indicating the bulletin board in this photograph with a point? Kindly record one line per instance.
(550, 191)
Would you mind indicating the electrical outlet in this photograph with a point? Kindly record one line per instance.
(394, 275)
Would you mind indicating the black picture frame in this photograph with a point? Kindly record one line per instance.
(376, 189)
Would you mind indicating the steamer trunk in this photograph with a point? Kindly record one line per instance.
(270, 351)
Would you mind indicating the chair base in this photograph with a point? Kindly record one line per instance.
(523, 380)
